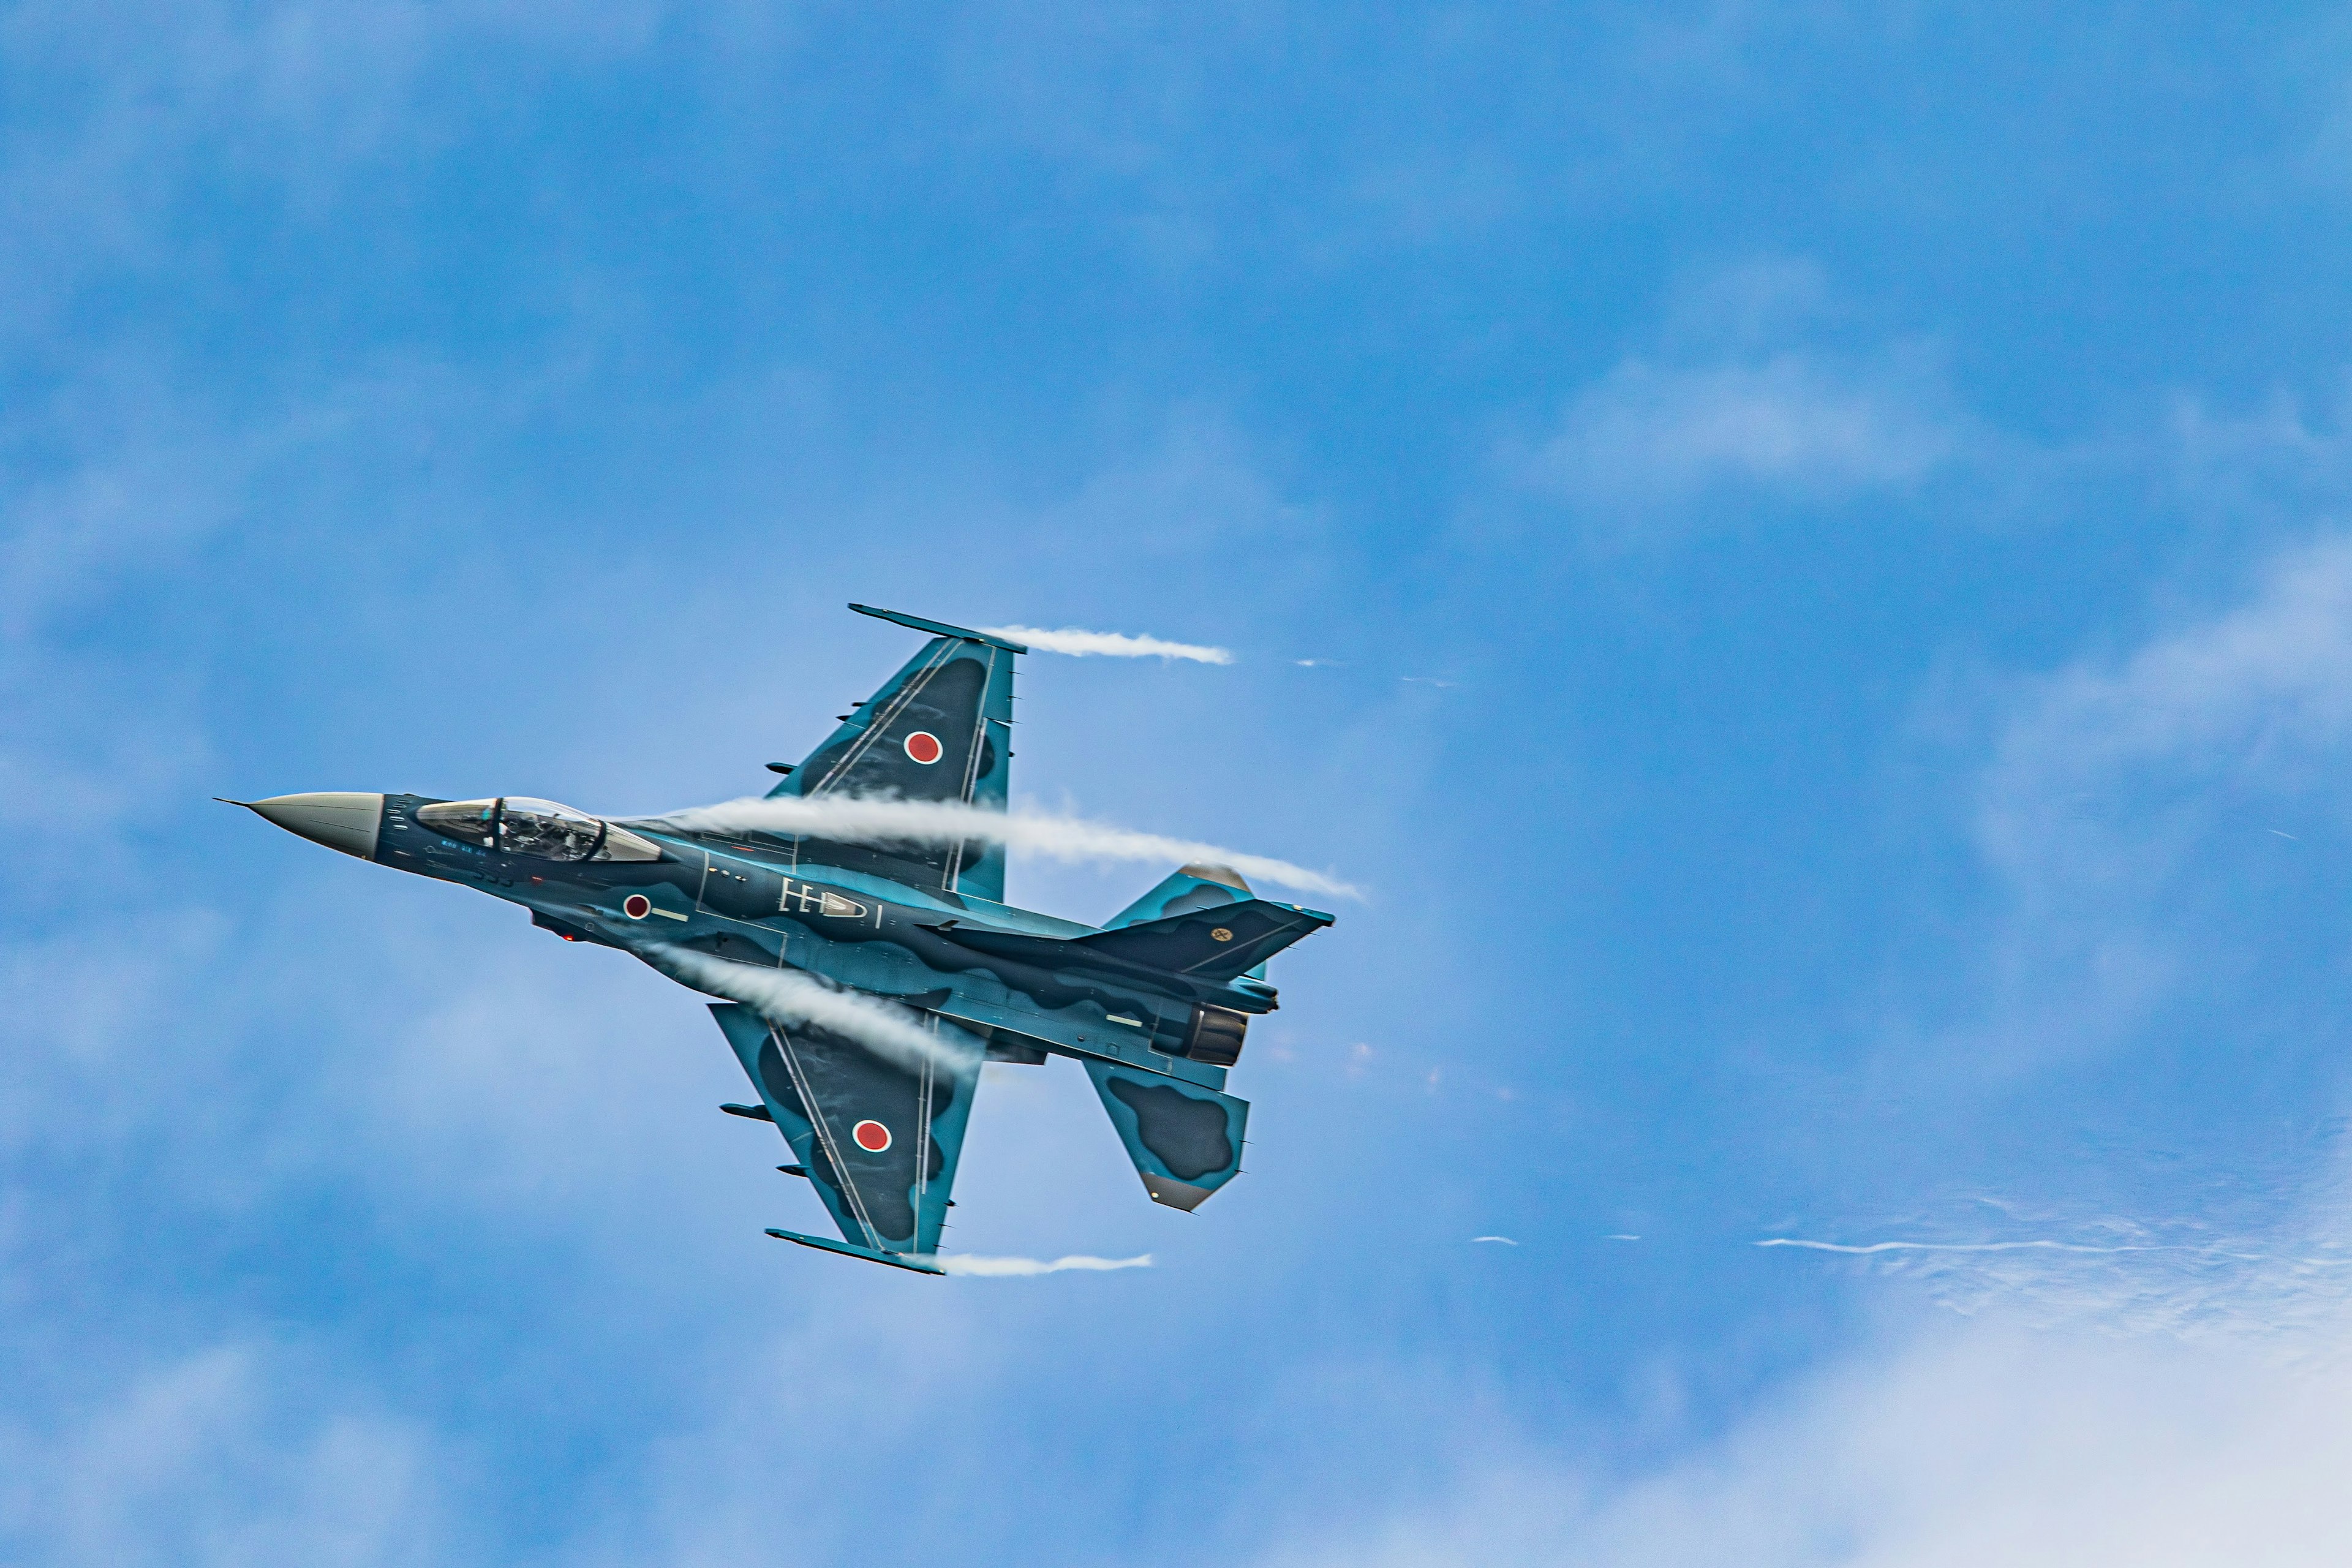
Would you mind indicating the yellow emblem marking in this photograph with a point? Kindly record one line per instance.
(1220, 934)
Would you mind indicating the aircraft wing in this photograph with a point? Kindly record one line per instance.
(878, 1139)
(941, 729)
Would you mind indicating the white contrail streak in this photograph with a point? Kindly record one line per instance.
(1010, 1268)
(1080, 644)
(1959, 1247)
(786, 996)
(862, 820)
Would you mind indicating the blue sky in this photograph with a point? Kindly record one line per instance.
(1797, 553)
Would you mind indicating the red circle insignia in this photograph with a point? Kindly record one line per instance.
(636, 906)
(872, 1136)
(925, 748)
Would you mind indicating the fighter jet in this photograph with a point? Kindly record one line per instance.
(1154, 1005)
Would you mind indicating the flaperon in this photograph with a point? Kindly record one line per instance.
(869, 981)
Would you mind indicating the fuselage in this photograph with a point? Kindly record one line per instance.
(776, 904)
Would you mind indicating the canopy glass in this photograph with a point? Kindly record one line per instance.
(518, 825)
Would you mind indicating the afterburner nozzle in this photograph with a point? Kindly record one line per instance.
(339, 819)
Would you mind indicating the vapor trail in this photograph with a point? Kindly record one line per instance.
(1079, 643)
(1960, 1246)
(1006, 1267)
(863, 820)
(786, 996)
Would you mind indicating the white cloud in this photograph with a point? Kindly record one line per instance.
(2267, 684)
(299, 101)
(2108, 777)
(2114, 780)
(1751, 393)
(1194, 484)
(2125, 814)
(1980, 1447)
(1796, 424)
(228, 1455)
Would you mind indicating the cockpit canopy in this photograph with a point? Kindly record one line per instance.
(518, 824)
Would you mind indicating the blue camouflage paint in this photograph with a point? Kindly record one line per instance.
(1155, 1005)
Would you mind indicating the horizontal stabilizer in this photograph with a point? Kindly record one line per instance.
(1185, 1140)
(1215, 944)
(1230, 940)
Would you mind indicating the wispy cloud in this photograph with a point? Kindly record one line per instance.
(1977, 1447)
(1797, 424)
(1868, 1249)
(860, 820)
(310, 106)
(2274, 672)
(234, 1454)
(1745, 396)
(2255, 1256)
(2118, 787)
(2119, 812)
(1083, 644)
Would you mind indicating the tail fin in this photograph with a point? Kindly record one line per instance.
(1204, 921)
(1194, 888)
(1222, 943)
(1185, 1140)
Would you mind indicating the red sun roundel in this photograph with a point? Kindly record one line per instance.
(924, 747)
(636, 906)
(872, 1136)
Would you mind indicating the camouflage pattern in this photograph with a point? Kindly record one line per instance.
(1156, 1004)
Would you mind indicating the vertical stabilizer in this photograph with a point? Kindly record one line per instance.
(1194, 888)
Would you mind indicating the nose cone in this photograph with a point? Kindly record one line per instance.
(341, 821)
